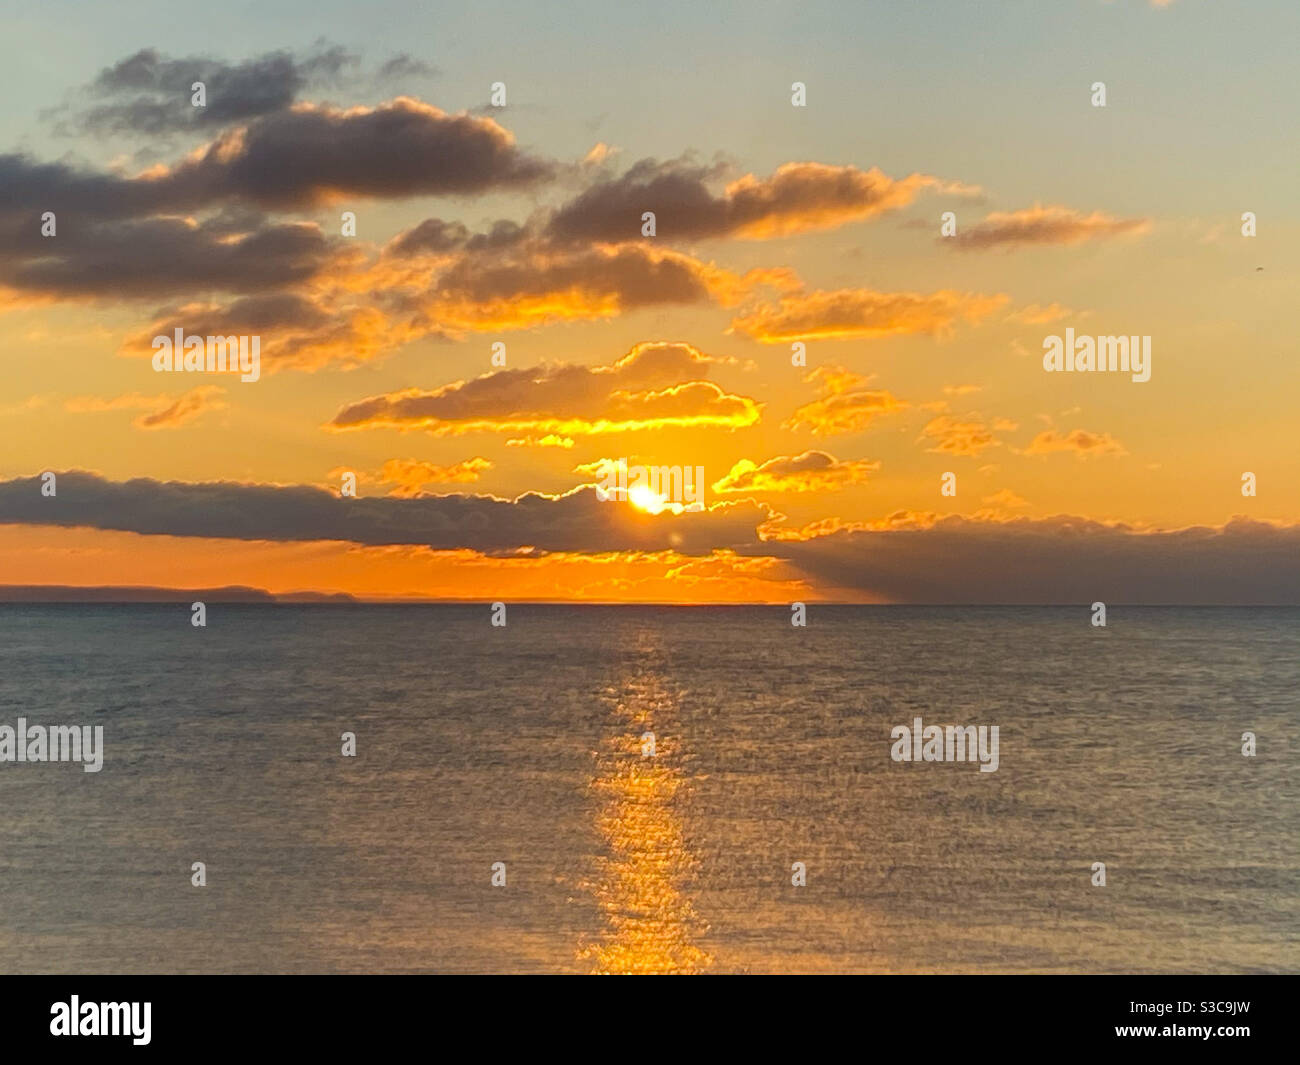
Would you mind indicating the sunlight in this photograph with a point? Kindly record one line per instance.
(643, 497)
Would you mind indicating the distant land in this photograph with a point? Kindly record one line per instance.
(65, 593)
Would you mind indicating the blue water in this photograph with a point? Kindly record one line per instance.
(523, 745)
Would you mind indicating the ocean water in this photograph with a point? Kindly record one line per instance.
(523, 745)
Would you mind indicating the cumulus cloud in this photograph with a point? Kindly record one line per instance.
(813, 471)
(863, 313)
(1079, 441)
(799, 197)
(951, 435)
(165, 256)
(149, 93)
(533, 523)
(296, 331)
(316, 154)
(845, 405)
(305, 156)
(1043, 225)
(905, 558)
(410, 477)
(434, 236)
(538, 286)
(656, 385)
(1059, 560)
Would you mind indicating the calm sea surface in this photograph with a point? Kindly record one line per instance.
(522, 745)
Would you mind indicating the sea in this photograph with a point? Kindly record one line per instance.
(613, 789)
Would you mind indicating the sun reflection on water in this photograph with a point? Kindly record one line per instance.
(643, 879)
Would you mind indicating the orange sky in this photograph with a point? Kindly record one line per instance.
(800, 325)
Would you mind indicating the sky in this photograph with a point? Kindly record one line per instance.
(840, 318)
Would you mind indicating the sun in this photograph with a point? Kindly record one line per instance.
(643, 497)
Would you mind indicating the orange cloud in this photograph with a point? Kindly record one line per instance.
(656, 385)
(1005, 499)
(844, 406)
(1044, 225)
(296, 331)
(1033, 314)
(813, 471)
(1080, 441)
(411, 476)
(863, 313)
(952, 436)
(538, 285)
(550, 440)
(161, 411)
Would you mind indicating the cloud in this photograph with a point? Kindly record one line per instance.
(813, 471)
(150, 93)
(844, 407)
(903, 558)
(314, 154)
(531, 524)
(656, 385)
(164, 256)
(185, 409)
(296, 331)
(434, 236)
(537, 285)
(403, 66)
(550, 440)
(161, 412)
(1059, 560)
(1043, 225)
(1034, 314)
(411, 476)
(953, 436)
(799, 197)
(1080, 441)
(1005, 499)
(295, 159)
(863, 313)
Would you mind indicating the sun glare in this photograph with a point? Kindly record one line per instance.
(643, 497)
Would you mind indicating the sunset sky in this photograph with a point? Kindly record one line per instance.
(775, 224)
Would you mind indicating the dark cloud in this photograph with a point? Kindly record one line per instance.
(577, 521)
(404, 66)
(1058, 560)
(798, 197)
(621, 278)
(31, 188)
(150, 94)
(289, 160)
(158, 257)
(312, 154)
(296, 332)
(433, 236)
(1061, 560)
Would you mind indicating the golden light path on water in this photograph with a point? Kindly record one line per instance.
(642, 880)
